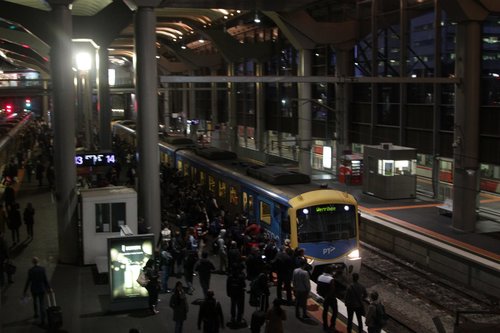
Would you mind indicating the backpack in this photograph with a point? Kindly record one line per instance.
(380, 315)
(323, 285)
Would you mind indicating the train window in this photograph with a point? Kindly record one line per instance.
(245, 201)
(222, 189)
(211, 184)
(250, 204)
(194, 173)
(179, 165)
(265, 212)
(202, 178)
(186, 169)
(109, 216)
(233, 196)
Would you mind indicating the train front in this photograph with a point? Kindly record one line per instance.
(326, 228)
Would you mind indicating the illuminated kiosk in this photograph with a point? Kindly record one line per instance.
(390, 171)
(127, 256)
(103, 211)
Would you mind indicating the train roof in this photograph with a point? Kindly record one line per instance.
(284, 184)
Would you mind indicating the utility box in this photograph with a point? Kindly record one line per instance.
(390, 171)
(102, 212)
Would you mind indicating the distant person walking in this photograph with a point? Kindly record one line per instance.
(39, 285)
(4, 259)
(301, 287)
(9, 196)
(204, 267)
(210, 314)
(275, 317)
(354, 296)
(376, 318)
(153, 285)
(29, 218)
(39, 170)
(326, 289)
(14, 222)
(179, 304)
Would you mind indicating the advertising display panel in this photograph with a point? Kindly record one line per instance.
(127, 256)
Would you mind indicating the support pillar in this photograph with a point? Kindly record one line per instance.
(232, 119)
(167, 111)
(185, 106)
(147, 119)
(45, 101)
(214, 111)
(260, 108)
(104, 104)
(466, 131)
(343, 95)
(63, 120)
(304, 92)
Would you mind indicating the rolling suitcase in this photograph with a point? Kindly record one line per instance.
(54, 312)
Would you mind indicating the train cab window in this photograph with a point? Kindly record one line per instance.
(186, 169)
(211, 184)
(109, 216)
(326, 223)
(222, 189)
(179, 165)
(265, 212)
(234, 200)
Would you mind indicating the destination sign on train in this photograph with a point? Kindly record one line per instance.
(95, 159)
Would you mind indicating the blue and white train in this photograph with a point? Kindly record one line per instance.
(322, 221)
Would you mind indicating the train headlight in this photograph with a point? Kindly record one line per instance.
(354, 255)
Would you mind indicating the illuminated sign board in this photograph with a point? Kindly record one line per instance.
(95, 159)
(320, 209)
(127, 256)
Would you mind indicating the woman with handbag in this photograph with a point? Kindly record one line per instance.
(152, 285)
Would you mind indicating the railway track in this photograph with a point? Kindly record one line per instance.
(416, 299)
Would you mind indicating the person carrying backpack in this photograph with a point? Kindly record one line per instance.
(376, 317)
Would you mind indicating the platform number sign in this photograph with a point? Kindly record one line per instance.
(95, 159)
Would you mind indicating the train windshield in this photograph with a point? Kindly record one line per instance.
(326, 223)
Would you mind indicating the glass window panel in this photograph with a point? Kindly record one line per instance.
(110, 216)
(265, 212)
(211, 183)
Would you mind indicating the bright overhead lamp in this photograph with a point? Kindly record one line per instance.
(256, 18)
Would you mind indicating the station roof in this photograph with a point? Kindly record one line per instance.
(195, 34)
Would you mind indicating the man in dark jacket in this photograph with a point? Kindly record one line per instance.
(326, 289)
(354, 296)
(284, 266)
(235, 289)
(39, 285)
(210, 314)
(204, 267)
(4, 258)
(254, 263)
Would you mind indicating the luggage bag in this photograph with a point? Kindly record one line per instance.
(54, 312)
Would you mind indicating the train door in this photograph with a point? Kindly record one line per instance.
(269, 217)
(247, 201)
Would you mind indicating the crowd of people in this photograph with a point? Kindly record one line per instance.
(199, 237)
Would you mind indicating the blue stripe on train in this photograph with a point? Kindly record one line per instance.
(328, 250)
